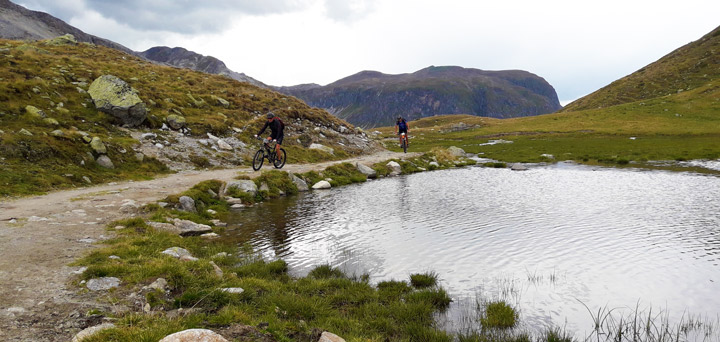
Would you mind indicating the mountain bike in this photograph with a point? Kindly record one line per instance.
(267, 151)
(404, 141)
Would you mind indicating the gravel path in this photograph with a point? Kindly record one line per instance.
(40, 236)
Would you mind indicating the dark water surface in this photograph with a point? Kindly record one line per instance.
(550, 240)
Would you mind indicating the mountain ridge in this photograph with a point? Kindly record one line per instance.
(371, 98)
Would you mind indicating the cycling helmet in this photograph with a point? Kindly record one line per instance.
(270, 115)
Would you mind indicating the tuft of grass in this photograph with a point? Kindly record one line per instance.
(498, 314)
(423, 280)
(326, 272)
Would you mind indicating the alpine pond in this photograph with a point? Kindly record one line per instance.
(562, 243)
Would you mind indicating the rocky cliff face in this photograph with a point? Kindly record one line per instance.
(371, 98)
(182, 58)
(20, 23)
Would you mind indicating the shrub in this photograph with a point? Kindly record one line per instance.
(423, 280)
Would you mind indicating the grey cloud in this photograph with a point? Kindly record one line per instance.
(349, 10)
(180, 16)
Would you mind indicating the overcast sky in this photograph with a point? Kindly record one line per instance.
(578, 46)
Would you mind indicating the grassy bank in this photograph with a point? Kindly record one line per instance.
(682, 126)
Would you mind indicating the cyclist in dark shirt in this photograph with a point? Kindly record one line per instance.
(401, 126)
(276, 130)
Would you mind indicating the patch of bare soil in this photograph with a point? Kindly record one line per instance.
(40, 236)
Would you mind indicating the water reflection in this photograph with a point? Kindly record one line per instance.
(606, 237)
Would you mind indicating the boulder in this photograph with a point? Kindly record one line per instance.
(25, 132)
(165, 227)
(51, 122)
(92, 331)
(395, 168)
(34, 112)
(97, 145)
(220, 101)
(56, 133)
(323, 184)
(236, 290)
(456, 151)
(179, 253)
(67, 39)
(115, 97)
(188, 204)
(105, 162)
(330, 337)
(194, 335)
(322, 148)
(518, 167)
(224, 146)
(190, 228)
(175, 121)
(366, 170)
(104, 283)
(301, 184)
(244, 185)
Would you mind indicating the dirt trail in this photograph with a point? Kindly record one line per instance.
(53, 230)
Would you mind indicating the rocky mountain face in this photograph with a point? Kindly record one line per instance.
(689, 67)
(371, 98)
(20, 23)
(182, 58)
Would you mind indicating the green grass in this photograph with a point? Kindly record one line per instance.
(499, 315)
(293, 308)
(682, 126)
(55, 78)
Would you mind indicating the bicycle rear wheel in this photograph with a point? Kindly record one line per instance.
(280, 159)
(258, 160)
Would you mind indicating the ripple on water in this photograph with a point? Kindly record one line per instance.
(562, 234)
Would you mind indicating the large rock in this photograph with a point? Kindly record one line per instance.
(104, 283)
(175, 121)
(92, 331)
(323, 184)
(179, 253)
(35, 112)
(244, 185)
(114, 96)
(194, 335)
(67, 39)
(330, 337)
(188, 204)
(456, 151)
(299, 182)
(366, 170)
(190, 228)
(105, 162)
(322, 148)
(395, 168)
(97, 145)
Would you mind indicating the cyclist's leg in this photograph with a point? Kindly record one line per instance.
(277, 146)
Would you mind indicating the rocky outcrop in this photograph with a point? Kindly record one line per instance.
(183, 58)
(371, 98)
(194, 335)
(114, 96)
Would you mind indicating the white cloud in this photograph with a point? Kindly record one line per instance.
(577, 46)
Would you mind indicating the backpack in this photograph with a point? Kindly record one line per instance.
(402, 125)
(282, 124)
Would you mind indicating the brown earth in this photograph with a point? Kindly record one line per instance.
(40, 236)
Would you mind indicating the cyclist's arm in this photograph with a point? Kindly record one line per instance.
(263, 129)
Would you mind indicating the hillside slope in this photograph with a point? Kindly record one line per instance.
(371, 98)
(689, 67)
(47, 118)
(20, 23)
(182, 58)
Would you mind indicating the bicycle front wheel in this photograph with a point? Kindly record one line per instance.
(404, 146)
(258, 160)
(279, 161)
